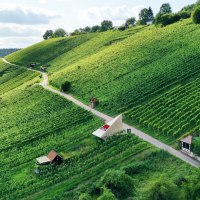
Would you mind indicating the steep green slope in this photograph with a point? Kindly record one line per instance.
(126, 70)
(59, 53)
(45, 51)
(11, 77)
(35, 121)
(174, 113)
(137, 69)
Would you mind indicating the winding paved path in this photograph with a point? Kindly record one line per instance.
(105, 117)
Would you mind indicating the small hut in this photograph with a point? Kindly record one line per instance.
(52, 157)
(186, 144)
(113, 127)
(94, 102)
(32, 65)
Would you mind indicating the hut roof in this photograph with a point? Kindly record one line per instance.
(187, 139)
(112, 127)
(43, 159)
(52, 155)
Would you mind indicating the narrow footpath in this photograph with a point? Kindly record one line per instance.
(105, 117)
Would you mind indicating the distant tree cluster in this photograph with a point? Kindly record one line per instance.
(5, 52)
(105, 26)
(164, 17)
(55, 34)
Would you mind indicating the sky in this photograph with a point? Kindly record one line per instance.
(23, 22)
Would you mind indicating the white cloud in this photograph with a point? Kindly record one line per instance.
(117, 14)
(10, 13)
(47, 1)
(13, 30)
(18, 42)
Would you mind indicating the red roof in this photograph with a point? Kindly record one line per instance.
(105, 127)
(52, 155)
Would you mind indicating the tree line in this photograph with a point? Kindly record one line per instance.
(164, 17)
(5, 52)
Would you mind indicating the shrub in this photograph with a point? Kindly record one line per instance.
(196, 15)
(185, 14)
(107, 194)
(122, 28)
(163, 190)
(135, 168)
(119, 183)
(84, 196)
(65, 87)
(167, 19)
(196, 146)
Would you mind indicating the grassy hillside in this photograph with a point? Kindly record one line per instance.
(35, 121)
(11, 77)
(61, 52)
(126, 70)
(134, 71)
(45, 121)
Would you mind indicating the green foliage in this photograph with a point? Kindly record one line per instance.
(196, 146)
(106, 25)
(167, 19)
(188, 8)
(144, 16)
(48, 34)
(165, 9)
(65, 87)
(131, 21)
(192, 189)
(95, 28)
(48, 50)
(59, 33)
(107, 194)
(185, 14)
(119, 183)
(163, 189)
(85, 196)
(135, 168)
(196, 15)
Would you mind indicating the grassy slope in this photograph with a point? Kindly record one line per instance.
(45, 121)
(61, 52)
(45, 51)
(125, 70)
(34, 121)
(132, 72)
(11, 77)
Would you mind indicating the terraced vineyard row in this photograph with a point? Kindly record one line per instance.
(11, 77)
(174, 113)
(136, 69)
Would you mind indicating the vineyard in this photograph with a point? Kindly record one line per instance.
(125, 69)
(11, 77)
(137, 69)
(142, 72)
(35, 121)
(59, 53)
(46, 121)
(173, 113)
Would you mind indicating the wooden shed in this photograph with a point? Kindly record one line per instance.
(52, 157)
(186, 144)
(94, 102)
